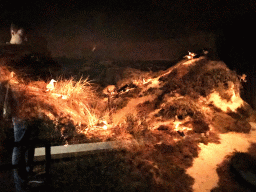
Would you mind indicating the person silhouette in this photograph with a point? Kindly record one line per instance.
(25, 134)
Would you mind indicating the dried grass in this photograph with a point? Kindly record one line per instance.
(162, 154)
(77, 90)
(70, 104)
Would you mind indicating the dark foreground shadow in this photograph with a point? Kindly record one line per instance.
(229, 178)
(113, 171)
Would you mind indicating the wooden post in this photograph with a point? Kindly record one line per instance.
(48, 161)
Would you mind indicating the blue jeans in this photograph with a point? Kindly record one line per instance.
(23, 153)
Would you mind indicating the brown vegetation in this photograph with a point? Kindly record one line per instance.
(167, 112)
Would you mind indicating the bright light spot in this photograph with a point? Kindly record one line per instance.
(50, 86)
(151, 82)
(94, 48)
(105, 125)
(179, 127)
(155, 82)
(66, 144)
(146, 81)
(234, 103)
(177, 124)
(137, 82)
(64, 97)
(190, 55)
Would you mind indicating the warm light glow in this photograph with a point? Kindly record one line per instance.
(109, 90)
(190, 55)
(146, 81)
(50, 86)
(243, 78)
(105, 125)
(176, 123)
(137, 82)
(154, 82)
(179, 126)
(66, 144)
(75, 102)
(234, 103)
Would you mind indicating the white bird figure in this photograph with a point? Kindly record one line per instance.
(50, 86)
(190, 55)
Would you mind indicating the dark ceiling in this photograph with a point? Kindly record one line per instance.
(205, 14)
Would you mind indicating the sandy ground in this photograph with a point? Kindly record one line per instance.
(204, 167)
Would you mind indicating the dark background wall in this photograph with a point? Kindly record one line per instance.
(146, 30)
